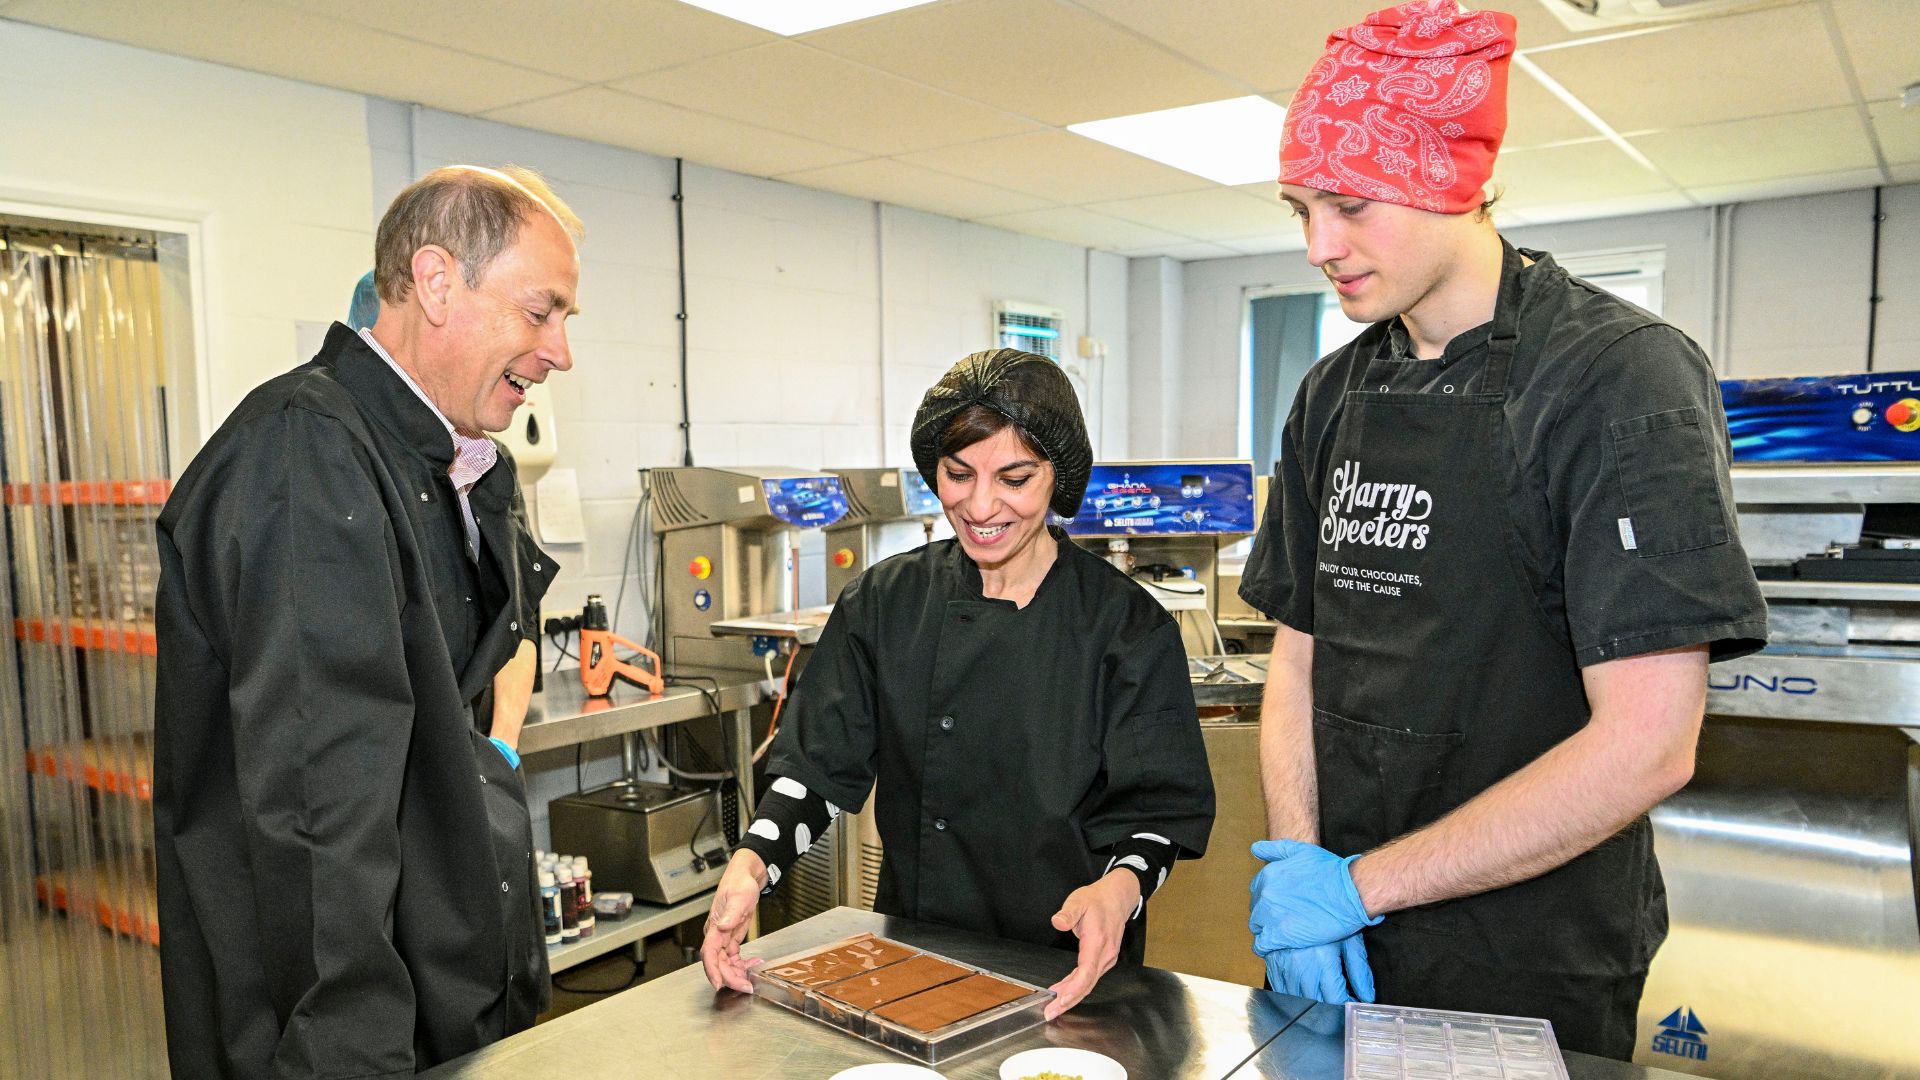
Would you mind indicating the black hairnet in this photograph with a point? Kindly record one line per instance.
(1029, 390)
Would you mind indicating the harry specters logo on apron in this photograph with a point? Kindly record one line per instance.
(1351, 516)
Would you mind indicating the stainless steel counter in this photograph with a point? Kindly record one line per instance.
(1159, 1024)
(563, 715)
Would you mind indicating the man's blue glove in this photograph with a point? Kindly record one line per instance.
(1335, 973)
(1303, 897)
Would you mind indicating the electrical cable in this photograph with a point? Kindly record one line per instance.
(773, 726)
(1873, 280)
(680, 236)
(632, 977)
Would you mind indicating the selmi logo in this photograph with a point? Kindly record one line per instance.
(1681, 1034)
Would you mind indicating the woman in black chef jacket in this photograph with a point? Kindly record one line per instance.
(1018, 707)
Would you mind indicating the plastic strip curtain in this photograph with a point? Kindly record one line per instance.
(83, 470)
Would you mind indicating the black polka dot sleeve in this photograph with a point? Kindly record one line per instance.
(787, 821)
(1150, 857)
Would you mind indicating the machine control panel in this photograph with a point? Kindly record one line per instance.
(810, 502)
(1166, 498)
(1872, 416)
(920, 499)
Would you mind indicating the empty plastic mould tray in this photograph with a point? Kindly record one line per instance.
(1386, 1042)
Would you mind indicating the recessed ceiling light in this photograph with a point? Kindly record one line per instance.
(789, 17)
(1236, 141)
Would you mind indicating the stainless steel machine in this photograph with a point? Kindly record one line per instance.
(888, 511)
(1165, 522)
(1795, 944)
(660, 843)
(727, 546)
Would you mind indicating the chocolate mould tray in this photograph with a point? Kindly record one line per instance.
(801, 993)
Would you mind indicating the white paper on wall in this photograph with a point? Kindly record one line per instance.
(556, 501)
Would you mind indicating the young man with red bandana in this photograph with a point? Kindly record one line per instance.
(1501, 552)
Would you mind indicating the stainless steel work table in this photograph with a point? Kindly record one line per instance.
(1159, 1024)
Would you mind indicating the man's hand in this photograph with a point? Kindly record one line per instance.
(733, 902)
(1097, 914)
(1303, 897)
(1335, 973)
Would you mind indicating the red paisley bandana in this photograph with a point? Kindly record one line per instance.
(1407, 107)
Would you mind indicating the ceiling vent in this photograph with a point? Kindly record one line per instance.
(1029, 328)
(1582, 16)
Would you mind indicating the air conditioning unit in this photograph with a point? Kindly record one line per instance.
(1029, 327)
(1582, 16)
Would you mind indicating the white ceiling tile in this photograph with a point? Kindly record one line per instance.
(1618, 206)
(1744, 151)
(1883, 42)
(1775, 188)
(1185, 252)
(1270, 244)
(889, 181)
(1058, 166)
(1215, 215)
(608, 116)
(1773, 61)
(1270, 47)
(1039, 58)
(1577, 173)
(1072, 225)
(1535, 117)
(1904, 174)
(802, 91)
(298, 45)
(1898, 130)
(586, 40)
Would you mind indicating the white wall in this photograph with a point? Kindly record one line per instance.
(271, 176)
(1796, 289)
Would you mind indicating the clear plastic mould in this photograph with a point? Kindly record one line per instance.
(919, 1004)
(1387, 1042)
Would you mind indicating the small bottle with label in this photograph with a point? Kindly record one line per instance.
(583, 882)
(569, 903)
(550, 907)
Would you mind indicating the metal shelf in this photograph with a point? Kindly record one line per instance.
(1816, 484)
(1894, 591)
(91, 493)
(644, 920)
(98, 634)
(563, 715)
(121, 769)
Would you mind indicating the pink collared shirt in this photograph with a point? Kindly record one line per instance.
(473, 455)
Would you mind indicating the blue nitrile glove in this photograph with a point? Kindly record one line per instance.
(513, 759)
(1304, 896)
(1335, 973)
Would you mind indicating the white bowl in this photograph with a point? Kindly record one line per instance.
(887, 1070)
(1064, 1060)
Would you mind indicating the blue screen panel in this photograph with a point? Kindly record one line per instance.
(811, 502)
(918, 497)
(1867, 417)
(1166, 498)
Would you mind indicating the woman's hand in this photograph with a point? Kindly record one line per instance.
(733, 902)
(1097, 914)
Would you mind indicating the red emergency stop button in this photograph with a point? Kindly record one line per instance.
(701, 567)
(1904, 414)
(843, 558)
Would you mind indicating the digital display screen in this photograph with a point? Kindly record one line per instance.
(1166, 498)
(1868, 417)
(918, 498)
(811, 502)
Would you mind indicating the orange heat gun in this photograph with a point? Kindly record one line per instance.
(598, 664)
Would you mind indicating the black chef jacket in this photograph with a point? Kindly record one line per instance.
(1005, 746)
(345, 881)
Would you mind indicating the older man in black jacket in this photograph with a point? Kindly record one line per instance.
(345, 877)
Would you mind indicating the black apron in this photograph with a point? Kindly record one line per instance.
(1437, 673)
